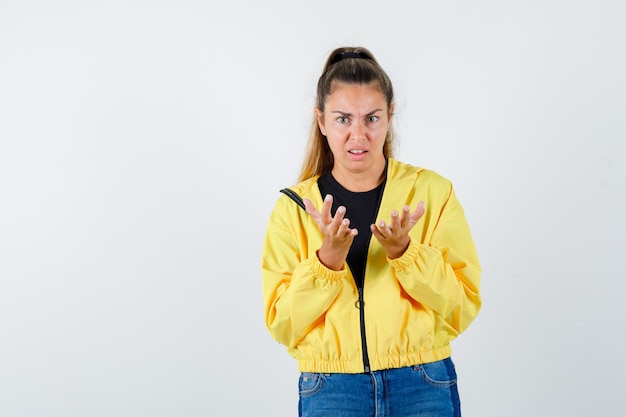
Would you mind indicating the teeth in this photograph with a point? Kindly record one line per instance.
(357, 151)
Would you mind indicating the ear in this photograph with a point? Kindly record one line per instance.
(391, 110)
(319, 115)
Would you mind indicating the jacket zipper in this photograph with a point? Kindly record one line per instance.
(360, 305)
(360, 286)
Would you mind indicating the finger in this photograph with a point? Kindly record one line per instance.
(344, 228)
(326, 207)
(418, 213)
(405, 219)
(309, 207)
(396, 221)
(375, 232)
(311, 210)
(334, 223)
(382, 229)
(340, 214)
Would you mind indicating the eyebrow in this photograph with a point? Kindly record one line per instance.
(350, 114)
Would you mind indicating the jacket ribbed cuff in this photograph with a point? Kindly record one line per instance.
(324, 272)
(408, 257)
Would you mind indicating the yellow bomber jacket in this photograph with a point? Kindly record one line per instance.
(414, 306)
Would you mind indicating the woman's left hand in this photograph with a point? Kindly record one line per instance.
(394, 237)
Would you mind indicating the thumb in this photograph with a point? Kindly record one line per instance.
(418, 213)
(310, 207)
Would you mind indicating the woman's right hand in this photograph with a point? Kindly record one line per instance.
(338, 236)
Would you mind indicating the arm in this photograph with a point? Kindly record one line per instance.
(443, 274)
(297, 288)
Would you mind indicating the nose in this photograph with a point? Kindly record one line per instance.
(357, 131)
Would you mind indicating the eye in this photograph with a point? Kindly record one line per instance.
(342, 119)
(372, 119)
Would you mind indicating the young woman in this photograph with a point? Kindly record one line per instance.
(369, 268)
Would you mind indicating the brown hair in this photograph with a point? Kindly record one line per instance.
(350, 65)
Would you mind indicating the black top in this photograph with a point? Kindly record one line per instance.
(361, 210)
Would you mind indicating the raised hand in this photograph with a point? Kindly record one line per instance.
(394, 237)
(336, 230)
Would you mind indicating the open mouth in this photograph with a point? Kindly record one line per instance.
(357, 151)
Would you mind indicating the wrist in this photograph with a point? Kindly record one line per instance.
(329, 261)
(396, 251)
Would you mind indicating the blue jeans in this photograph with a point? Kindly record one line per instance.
(420, 390)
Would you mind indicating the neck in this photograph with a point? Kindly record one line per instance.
(361, 181)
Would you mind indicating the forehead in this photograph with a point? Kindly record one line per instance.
(356, 96)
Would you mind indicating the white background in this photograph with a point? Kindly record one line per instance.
(143, 144)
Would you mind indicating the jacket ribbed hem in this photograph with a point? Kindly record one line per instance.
(391, 361)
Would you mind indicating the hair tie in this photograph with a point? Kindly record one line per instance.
(346, 55)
